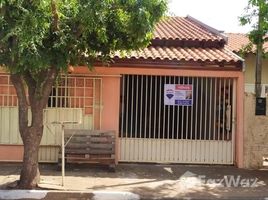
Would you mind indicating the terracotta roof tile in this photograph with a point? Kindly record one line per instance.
(183, 54)
(204, 44)
(237, 41)
(183, 28)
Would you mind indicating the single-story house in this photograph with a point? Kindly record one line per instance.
(176, 101)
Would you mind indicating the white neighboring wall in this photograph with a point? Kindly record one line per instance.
(250, 88)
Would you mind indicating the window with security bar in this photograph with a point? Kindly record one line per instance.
(145, 115)
(75, 92)
(59, 94)
(8, 96)
(79, 91)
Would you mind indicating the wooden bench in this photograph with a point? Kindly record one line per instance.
(88, 146)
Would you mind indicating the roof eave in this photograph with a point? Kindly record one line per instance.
(156, 63)
(187, 43)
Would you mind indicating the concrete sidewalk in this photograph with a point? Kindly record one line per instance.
(137, 181)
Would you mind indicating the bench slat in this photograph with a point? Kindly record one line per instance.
(89, 151)
(88, 146)
(83, 140)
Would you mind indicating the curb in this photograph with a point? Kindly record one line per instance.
(99, 195)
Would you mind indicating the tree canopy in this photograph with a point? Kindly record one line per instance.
(256, 14)
(36, 34)
(41, 38)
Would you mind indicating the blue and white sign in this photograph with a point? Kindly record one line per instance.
(169, 97)
(177, 94)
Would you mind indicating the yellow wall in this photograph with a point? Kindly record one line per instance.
(250, 69)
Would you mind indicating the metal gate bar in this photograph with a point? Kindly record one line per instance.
(154, 132)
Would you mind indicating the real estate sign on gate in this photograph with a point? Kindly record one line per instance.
(179, 95)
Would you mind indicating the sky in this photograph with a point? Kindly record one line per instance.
(219, 14)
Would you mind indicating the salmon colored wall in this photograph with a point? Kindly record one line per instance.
(12, 153)
(111, 97)
(98, 71)
(239, 145)
(110, 104)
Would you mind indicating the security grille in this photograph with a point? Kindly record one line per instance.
(151, 131)
(78, 92)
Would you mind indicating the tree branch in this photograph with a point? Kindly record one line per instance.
(40, 95)
(49, 81)
(55, 16)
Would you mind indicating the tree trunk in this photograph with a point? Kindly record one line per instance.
(30, 175)
(32, 133)
(258, 70)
